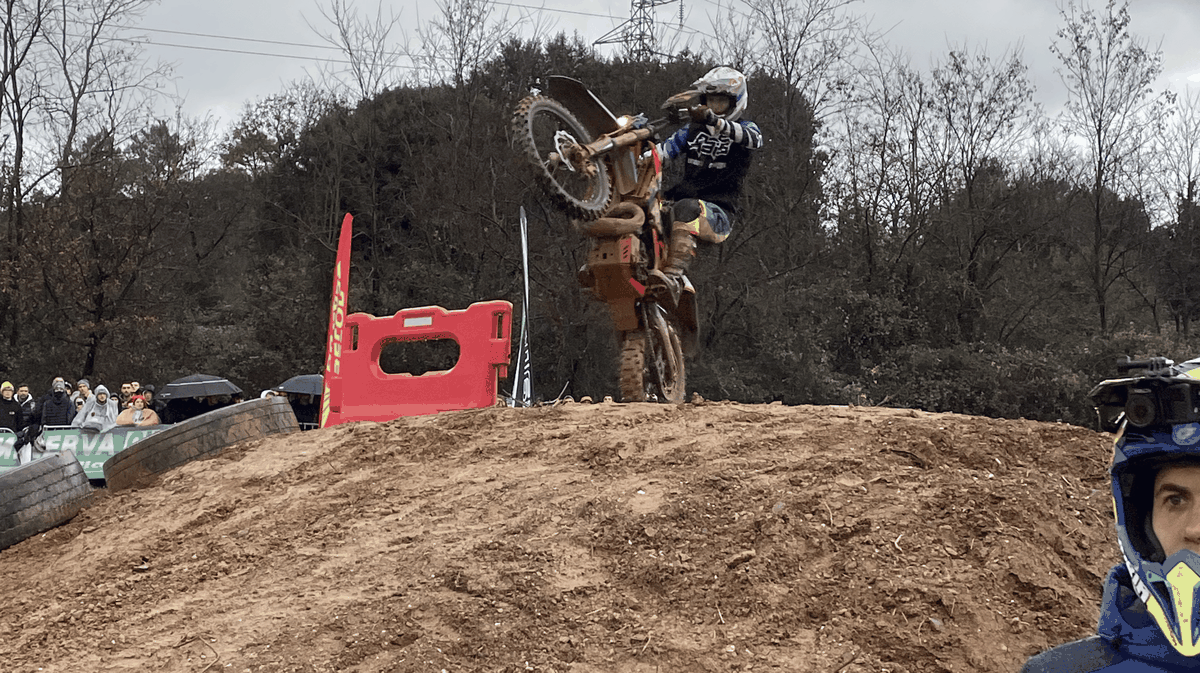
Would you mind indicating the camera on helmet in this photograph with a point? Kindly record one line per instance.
(1161, 395)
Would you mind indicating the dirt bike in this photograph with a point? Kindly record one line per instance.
(606, 173)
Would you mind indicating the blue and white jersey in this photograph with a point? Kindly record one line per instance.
(717, 156)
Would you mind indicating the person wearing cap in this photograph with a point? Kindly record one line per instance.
(10, 409)
(56, 407)
(138, 413)
(1149, 613)
(83, 390)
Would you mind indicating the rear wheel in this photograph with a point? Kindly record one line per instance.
(550, 137)
(652, 366)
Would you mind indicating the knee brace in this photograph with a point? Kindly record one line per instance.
(687, 214)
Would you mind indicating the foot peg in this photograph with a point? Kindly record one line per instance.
(665, 288)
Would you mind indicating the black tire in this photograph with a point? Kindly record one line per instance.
(633, 366)
(199, 437)
(542, 127)
(652, 365)
(40, 495)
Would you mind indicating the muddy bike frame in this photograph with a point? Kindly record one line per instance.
(620, 211)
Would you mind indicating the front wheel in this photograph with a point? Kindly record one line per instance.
(652, 367)
(551, 139)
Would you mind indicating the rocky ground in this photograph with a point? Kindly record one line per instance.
(585, 538)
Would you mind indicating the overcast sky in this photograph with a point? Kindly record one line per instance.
(192, 34)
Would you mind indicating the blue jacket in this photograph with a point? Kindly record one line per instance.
(1128, 640)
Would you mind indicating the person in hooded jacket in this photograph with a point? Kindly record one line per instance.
(56, 407)
(99, 412)
(1148, 614)
(10, 409)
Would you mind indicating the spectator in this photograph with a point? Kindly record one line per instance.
(28, 404)
(138, 414)
(83, 390)
(181, 409)
(126, 394)
(135, 388)
(99, 413)
(55, 408)
(306, 408)
(79, 404)
(10, 409)
(156, 405)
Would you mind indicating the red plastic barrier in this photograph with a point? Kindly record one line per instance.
(367, 393)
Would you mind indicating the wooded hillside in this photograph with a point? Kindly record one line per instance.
(917, 237)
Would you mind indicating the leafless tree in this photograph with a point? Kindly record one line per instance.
(1113, 110)
(24, 23)
(810, 46)
(985, 107)
(733, 37)
(982, 110)
(462, 37)
(100, 82)
(372, 56)
(874, 173)
(1177, 151)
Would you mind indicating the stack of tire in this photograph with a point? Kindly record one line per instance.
(40, 495)
(199, 437)
(49, 491)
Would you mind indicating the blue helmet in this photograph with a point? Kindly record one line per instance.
(1156, 416)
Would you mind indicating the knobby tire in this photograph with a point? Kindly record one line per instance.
(652, 366)
(536, 120)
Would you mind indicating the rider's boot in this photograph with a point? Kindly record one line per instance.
(667, 283)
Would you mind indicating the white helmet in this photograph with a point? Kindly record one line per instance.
(726, 80)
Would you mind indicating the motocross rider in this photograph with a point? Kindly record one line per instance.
(1149, 614)
(716, 145)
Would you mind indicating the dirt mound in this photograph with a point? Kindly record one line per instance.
(585, 538)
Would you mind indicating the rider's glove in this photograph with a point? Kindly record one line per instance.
(701, 114)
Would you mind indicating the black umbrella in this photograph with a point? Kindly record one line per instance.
(305, 384)
(198, 385)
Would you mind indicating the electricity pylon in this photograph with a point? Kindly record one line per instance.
(637, 34)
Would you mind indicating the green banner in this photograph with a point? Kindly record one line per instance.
(91, 448)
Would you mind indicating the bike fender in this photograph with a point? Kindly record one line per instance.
(583, 104)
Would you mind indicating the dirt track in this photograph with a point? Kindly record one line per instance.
(585, 538)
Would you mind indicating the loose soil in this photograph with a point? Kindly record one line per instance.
(585, 538)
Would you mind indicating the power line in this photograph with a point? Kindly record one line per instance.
(251, 53)
(552, 9)
(239, 39)
(285, 43)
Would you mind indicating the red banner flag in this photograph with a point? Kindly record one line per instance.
(331, 400)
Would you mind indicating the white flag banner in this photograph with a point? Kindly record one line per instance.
(522, 394)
